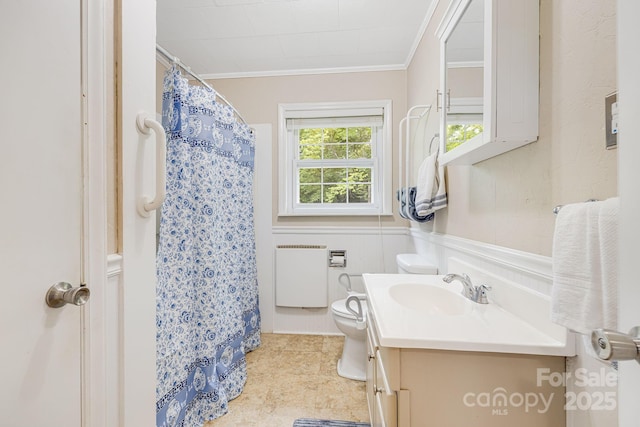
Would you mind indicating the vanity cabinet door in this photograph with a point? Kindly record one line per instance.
(385, 394)
(382, 380)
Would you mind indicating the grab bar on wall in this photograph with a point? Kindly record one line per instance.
(145, 124)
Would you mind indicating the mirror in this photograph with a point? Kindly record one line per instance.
(489, 81)
(464, 77)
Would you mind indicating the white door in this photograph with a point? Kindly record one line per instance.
(57, 369)
(629, 178)
(40, 211)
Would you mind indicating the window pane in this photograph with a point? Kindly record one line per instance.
(335, 193)
(312, 151)
(357, 175)
(359, 151)
(310, 175)
(360, 193)
(311, 136)
(359, 134)
(335, 135)
(310, 193)
(335, 151)
(335, 175)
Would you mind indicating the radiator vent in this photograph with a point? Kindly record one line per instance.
(301, 276)
(301, 247)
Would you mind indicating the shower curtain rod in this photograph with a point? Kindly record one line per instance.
(175, 60)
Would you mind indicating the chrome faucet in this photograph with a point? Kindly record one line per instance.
(474, 293)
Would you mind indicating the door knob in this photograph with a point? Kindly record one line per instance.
(614, 345)
(62, 293)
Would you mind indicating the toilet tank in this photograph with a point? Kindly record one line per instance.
(414, 264)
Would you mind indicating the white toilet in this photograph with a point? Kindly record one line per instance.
(353, 362)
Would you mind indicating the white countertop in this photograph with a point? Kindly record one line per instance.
(482, 327)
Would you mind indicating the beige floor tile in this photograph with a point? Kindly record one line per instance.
(294, 376)
(329, 363)
(332, 344)
(339, 393)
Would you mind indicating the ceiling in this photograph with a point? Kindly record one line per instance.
(232, 38)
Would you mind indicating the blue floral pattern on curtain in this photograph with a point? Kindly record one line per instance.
(207, 291)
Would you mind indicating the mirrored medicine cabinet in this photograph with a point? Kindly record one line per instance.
(489, 78)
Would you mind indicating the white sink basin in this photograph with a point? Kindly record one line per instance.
(421, 311)
(429, 299)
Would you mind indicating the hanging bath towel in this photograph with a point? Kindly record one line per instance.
(207, 293)
(584, 295)
(407, 207)
(431, 193)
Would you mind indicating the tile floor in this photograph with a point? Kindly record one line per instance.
(294, 376)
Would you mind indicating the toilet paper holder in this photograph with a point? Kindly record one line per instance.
(613, 345)
(337, 258)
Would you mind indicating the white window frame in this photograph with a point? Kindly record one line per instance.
(288, 157)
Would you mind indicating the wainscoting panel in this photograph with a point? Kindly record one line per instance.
(526, 269)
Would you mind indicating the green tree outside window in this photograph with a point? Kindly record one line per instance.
(334, 185)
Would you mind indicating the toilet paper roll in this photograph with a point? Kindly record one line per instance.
(338, 261)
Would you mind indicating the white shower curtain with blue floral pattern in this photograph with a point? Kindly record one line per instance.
(207, 291)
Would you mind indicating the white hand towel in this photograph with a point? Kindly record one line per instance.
(585, 270)
(431, 193)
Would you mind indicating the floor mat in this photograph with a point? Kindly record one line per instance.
(312, 422)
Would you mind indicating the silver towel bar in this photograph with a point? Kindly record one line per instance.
(557, 208)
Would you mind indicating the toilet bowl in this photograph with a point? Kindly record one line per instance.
(353, 362)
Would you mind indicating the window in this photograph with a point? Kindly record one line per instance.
(335, 158)
(464, 121)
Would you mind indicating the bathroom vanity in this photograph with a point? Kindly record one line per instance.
(438, 359)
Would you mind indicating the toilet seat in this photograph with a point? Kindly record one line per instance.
(339, 308)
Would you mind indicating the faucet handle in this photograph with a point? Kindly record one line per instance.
(482, 294)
